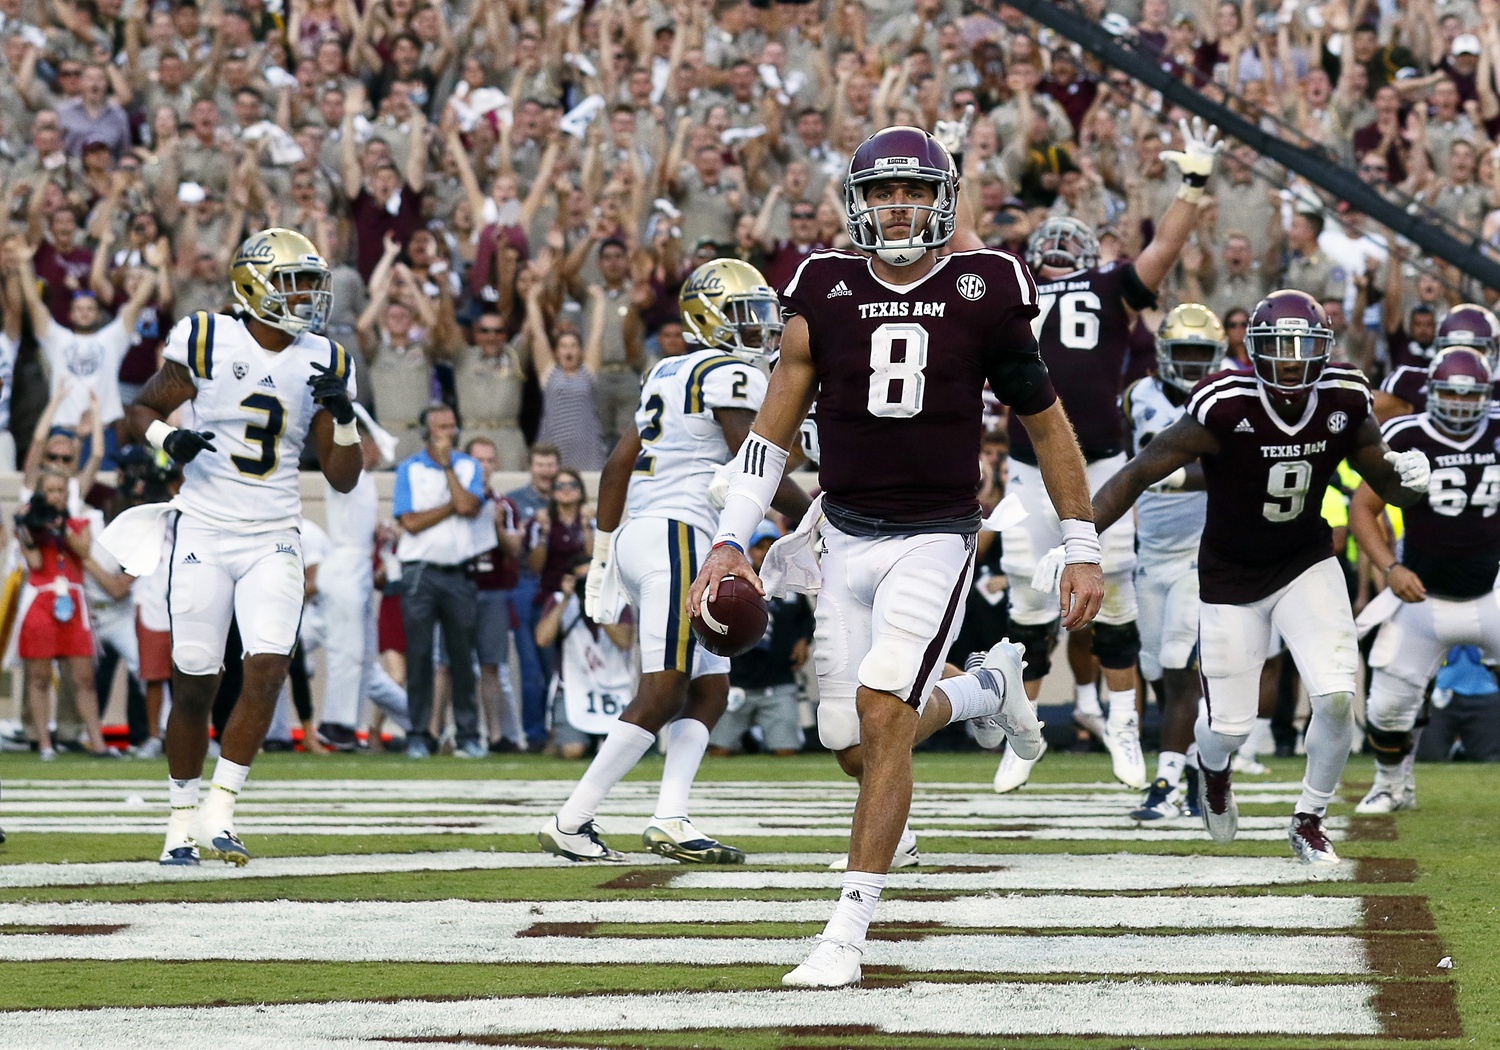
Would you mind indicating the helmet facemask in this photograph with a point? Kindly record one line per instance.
(1276, 347)
(1064, 244)
(754, 324)
(293, 299)
(1184, 363)
(931, 225)
(1458, 403)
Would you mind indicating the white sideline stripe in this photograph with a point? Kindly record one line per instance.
(278, 937)
(1056, 871)
(1012, 872)
(504, 919)
(1105, 1008)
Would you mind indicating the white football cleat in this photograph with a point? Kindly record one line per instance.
(583, 844)
(1309, 844)
(1387, 798)
(1016, 720)
(1090, 722)
(677, 839)
(1124, 744)
(1248, 765)
(832, 964)
(1221, 814)
(1015, 770)
(906, 855)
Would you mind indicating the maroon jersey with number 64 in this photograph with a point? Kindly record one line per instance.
(901, 373)
(1452, 539)
(1265, 486)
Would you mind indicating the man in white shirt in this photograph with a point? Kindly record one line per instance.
(86, 355)
(439, 490)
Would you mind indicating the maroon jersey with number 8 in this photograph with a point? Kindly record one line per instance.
(1265, 486)
(901, 373)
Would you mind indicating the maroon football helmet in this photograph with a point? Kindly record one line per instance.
(901, 153)
(1289, 340)
(1458, 389)
(1469, 324)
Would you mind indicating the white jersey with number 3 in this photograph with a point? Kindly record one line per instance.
(681, 442)
(258, 406)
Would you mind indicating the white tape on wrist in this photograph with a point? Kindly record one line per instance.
(1081, 541)
(346, 433)
(750, 490)
(158, 432)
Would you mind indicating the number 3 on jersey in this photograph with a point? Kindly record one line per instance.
(898, 354)
(268, 436)
(644, 463)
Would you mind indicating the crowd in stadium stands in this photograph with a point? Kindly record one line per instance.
(511, 192)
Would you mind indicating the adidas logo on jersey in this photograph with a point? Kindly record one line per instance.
(1244, 427)
(267, 382)
(839, 289)
(191, 559)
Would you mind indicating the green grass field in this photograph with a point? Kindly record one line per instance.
(1453, 841)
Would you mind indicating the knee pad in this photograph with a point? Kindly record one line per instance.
(1117, 646)
(1390, 745)
(197, 660)
(1038, 639)
(1336, 706)
(889, 667)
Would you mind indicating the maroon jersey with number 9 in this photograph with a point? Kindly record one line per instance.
(901, 373)
(1265, 486)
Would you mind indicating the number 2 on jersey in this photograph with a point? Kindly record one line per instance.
(646, 464)
(1077, 318)
(896, 386)
(268, 436)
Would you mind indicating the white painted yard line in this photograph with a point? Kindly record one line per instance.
(1055, 871)
(504, 919)
(1011, 872)
(628, 829)
(1104, 1008)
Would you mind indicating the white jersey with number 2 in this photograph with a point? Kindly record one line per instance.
(258, 406)
(681, 442)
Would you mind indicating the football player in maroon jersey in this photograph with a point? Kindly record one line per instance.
(1450, 554)
(1085, 316)
(1467, 324)
(1269, 444)
(897, 343)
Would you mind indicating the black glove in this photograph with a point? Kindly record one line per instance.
(183, 445)
(332, 392)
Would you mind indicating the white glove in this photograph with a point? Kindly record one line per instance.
(1413, 467)
(1048, 575)
(718, 488)
(952, 134)
(1200, 145)
(593, 587)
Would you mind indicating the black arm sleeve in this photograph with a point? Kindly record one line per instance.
(1019, 377)
(1134, 291)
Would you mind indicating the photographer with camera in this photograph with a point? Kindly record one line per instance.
(54, 617)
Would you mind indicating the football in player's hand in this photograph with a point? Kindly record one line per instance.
(734, 621)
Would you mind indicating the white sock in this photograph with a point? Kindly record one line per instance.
(1408, 765)
(183, 794)
(969, 698)
(858, 896)
(229, 780)
(1086, 700)
(908, 839)
(1192, 753)
(1330, 732)
(619, 753)
(1169, 767)
(1214, 747)
(1121, 707)
(687, 739)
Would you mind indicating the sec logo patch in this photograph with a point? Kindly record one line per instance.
(1337, 422)
(971, 286)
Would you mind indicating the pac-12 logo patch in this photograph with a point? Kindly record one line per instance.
(1337, 422)
(970, 286)
(240, 368)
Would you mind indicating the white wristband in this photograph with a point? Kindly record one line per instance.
(602, 540)
(346, 433)
(1081, 542)
(750, 490)
(158, 432)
